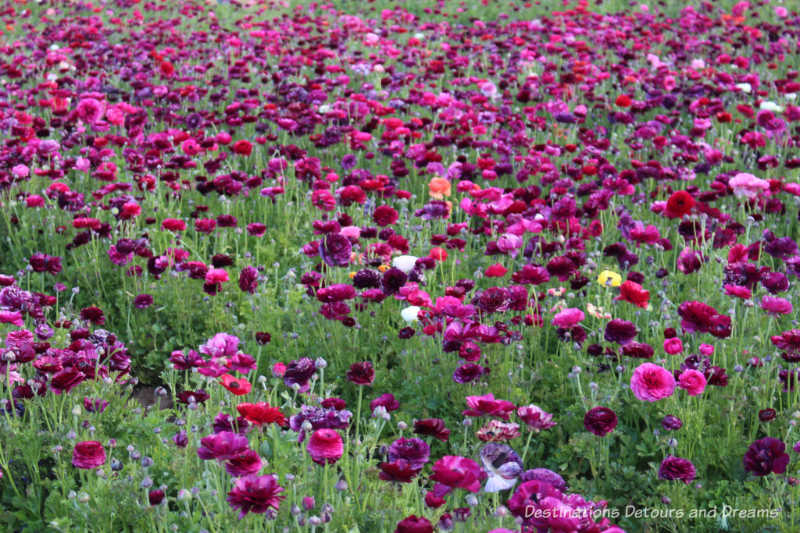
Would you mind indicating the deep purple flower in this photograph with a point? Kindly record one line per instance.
(298, 373)
(247, 462)
(671, 423)
(469, 372)
(335, 250)
(620, 331)
(142, 301)
(673, 468)
(386, 400)
(415, 451)
(248, 279)
(766, 456)
(600, 420)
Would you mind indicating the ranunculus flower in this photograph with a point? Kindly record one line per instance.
(487, 405)
(325, 445)
(88, 455)
(222, 446)
(766, 456)
(255, 494)
(600, 420)
(746, 185)
(673, 346)
(361, 373)
(454, 471)
(535, 417)
(692, 381)
(414, 524)
(651, 383)
(568, 318)
(673, 468)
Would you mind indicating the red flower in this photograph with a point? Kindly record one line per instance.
(166, 68)
(361, 373)
(238, 386)
(632, 292)
(242, 147)
(624, 100)
(384, 215)
(261, 413)
(325, 445)
(679, 203)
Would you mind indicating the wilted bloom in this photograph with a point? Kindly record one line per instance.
(600, 420)
(502, 465)
(651, 383)
(88, 455)
(325, 445)
(673, 468)
(255, 494)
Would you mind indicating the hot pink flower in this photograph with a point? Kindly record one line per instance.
(776, 306)
(651, 383)
(487, 405)
(454, 471)
(255, 494)
(692, 381)
(325, 445)
(673, 346)
(568, 318)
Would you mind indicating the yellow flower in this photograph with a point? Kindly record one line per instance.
(383, 268)
(352, 275)
(608, 278)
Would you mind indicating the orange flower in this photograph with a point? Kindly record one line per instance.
(239, 386)
(439, 188)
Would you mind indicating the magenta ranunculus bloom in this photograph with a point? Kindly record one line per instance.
(255, 494)
(568, 318)
(454, 471)
(247, 462)
(487, 405)
(673, 468)
(88, 455)
(651, 383)
(222, 446)
(325, 445)
(673, 346)
(692, 381)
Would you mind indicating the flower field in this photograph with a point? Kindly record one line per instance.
(375, 267)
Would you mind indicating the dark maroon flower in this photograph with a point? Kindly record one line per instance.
(298, 373)
(66, 380)
(433, 427)
(766, 456)
(673, 468)
(469, 372)
(142, 301)
(387, 401)
(393, 279)
(335, 250)
(600, 420)
(361, 373)
(398, 471)
(415, 451)
(262, 337)
(367, 279)
(248, 279)
(94, 315)
(620, 331)
(639, 350)
(766, 415)
(414, 524)
(189, 396)
(336, 293)
(155, 496)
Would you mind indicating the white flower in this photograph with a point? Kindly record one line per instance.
(405, 263)
(770, 106)
(411, 313)
(744, 87)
